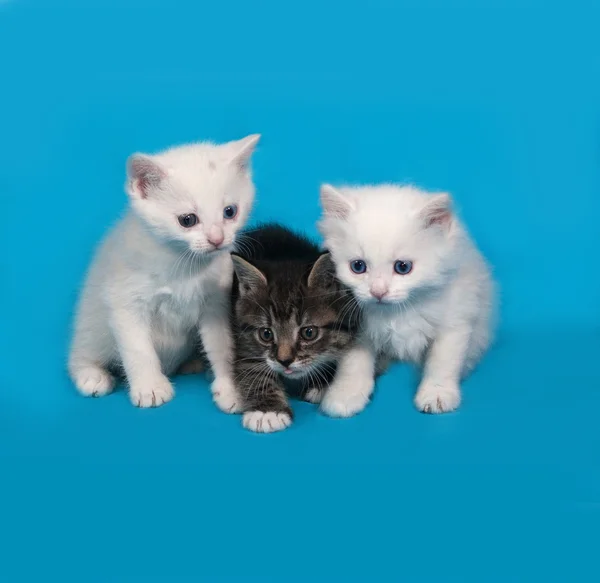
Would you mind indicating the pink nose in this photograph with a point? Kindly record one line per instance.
(379, 294)
(215, 236)
(216, 241)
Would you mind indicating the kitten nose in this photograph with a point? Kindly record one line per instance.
(378, 292)
(284, 356)
(215, 236)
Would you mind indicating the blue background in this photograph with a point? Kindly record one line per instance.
(497, 102)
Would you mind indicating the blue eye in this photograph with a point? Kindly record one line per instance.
(188, 221)
(358, 266)
(403, 267)
(230, 211)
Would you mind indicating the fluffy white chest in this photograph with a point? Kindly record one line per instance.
(404, 334)
(175, 311)
(176, 307)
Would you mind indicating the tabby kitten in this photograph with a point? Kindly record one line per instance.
(291, 321)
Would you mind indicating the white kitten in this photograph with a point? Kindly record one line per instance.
(164, 273)
(425, 290)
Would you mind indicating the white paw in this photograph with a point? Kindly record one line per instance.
(337, 404)
(266, 422)
(437, 398)
(93, 381)
(314, 395)
(151, 394)
(225, 396)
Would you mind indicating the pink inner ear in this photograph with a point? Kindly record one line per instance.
(334, 203)
(442, 217)
(145, 173)
(143, 185)
(438, 211)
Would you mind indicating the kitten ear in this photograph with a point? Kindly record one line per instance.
(143, 174)
(334, 203)
(243, 150)
(322, 273)
(438, 210)
(249, 276)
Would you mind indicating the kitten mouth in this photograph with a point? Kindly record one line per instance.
(381, 303)
(291, 373)
(213, 250)
(296, 371)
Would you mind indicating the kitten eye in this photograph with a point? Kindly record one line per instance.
(358, 266)
(309, 333)
(230, 211)
(403, 267)
(265, 334)
(188, 221)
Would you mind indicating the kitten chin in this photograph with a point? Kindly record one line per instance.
(292, 320)
(426, 290)
(164, 273)
(296, 373)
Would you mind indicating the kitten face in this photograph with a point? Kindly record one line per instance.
(292, 318)
(388, 243)
(195, 197)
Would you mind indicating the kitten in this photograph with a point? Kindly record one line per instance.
(292, 320)
(425, 290)
(164, 273)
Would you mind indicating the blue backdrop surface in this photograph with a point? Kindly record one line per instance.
(497, 102)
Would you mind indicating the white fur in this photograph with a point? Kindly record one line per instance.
(154, 284)
(314, 395)
(266, 422)
(439, 315)
(352, 386)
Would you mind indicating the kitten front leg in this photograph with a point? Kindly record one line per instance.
(351, 389)
(314, 394)
(265, 403)
(439, 390)
(218, 345)
(148, 386)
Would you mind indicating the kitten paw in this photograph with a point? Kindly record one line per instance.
(151, 394)
(266, 422)
(93, 381)
(225, 396)
(191, 367)
(314, 395)
(437, 398)
(336, 405)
